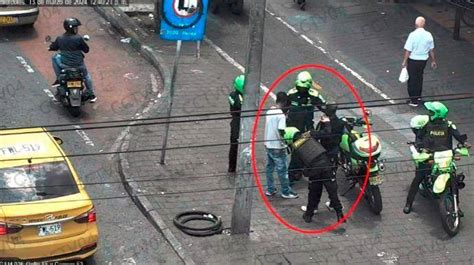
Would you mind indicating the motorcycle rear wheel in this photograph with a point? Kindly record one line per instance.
(374, 198)
(75, 111)
(449, 218)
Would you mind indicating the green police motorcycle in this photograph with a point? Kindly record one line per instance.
(443, 183)
(354, 158)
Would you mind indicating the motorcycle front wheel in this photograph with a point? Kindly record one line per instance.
(374, 198)
(449, 217)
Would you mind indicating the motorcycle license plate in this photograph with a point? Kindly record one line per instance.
(74, 84)
(8, 20)
(375, 180)
(51, 229)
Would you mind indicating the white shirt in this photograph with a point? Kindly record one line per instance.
(275, 120)
(420, 42)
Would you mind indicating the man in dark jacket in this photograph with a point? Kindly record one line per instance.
(317, 167)
(71, 47)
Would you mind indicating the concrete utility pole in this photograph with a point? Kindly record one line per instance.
(243, 194)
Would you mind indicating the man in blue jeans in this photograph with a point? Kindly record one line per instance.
(276, 148)
(71, 47)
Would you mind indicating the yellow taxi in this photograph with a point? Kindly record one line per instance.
(45, 213)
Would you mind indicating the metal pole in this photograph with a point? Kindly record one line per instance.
(198, 49)
(241, 211)
(157, 15)
(457, 23)
(170, 102)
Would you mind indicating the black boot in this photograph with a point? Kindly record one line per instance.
(340, 216)
(307, 218)
(407, 208)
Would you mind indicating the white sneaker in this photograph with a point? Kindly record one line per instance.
(93, 100)
(303, 208)
(290, 196)
(330, 208)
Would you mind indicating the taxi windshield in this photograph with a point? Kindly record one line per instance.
(36, 182)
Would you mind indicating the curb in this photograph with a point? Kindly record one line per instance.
(127, 27)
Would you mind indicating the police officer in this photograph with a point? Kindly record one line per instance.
(303, 98)
(317, 166)
(235, 102)
(435, 133)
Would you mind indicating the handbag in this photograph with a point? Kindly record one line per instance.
(403, 78)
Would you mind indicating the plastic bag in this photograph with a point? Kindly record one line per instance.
(403, 78)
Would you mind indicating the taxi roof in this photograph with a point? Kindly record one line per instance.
(18, 145)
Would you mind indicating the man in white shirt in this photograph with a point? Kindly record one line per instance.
(419, 47)
(275, 146)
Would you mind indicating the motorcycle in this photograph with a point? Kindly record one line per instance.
(71, 88)
(443, 183)
(354, 155)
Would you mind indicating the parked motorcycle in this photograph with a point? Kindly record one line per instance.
(71, 89)
(443, 183)
(354, 157)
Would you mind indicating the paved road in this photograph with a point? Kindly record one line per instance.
(125, 85)
(354, 41)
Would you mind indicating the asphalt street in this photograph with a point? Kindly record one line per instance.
(125, 85)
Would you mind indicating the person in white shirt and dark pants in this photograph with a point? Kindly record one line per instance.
(419, 47)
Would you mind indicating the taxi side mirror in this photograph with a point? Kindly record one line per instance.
(58, 140)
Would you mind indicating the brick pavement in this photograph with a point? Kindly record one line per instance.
(202, 86)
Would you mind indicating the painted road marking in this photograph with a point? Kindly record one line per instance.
(340, 63)
(232, 61)
(83, 135)
(28, 68)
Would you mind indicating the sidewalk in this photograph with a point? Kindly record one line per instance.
(194, 178)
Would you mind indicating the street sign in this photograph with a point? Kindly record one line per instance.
(183, 19)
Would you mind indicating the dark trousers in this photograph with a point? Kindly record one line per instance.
(234, 144)
(415, 81)
(421, 172)
(321, 175)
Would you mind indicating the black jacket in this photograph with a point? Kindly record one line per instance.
(438, 135)
(71, 47)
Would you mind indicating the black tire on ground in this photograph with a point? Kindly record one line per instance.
(75, 111)
(374, 198)
(450, 221)
(237, 7)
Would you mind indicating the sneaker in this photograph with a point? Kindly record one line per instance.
(55, 84)
(271, 193)
(328, 205)
(92, 99)
(290, 195)
(413, 104)
(307, 218)
(303, 208)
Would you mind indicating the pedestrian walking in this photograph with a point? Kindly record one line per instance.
(235, 103)
(276, 148)
(419, 47)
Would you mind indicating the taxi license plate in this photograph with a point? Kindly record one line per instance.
(375, 180)
(74, 84)
(8, 20)
(51, 229)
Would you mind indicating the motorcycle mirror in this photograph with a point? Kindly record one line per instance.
(48, 38)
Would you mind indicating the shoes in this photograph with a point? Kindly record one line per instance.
(56, 83)
(407, 208)
(304, 208)
(291, 195)
(231, 170)
(307, 218)
(302, 6)
(271, 193)
(413, 104)
(460, 213)
(340, 216)
(92, 99)
(328, 205)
